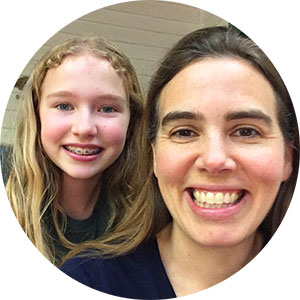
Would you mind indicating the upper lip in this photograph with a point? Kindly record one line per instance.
(216, 188)
(79, 145)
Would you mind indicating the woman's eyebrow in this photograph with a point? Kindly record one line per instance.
(249, 114)
(245, 114)
(178, 115)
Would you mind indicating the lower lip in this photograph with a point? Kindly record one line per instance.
(83, 158)
(217, 213)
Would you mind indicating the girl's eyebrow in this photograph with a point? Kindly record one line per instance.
(107, 96)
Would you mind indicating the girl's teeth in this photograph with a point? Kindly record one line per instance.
(82, 151)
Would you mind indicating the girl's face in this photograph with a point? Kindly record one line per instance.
(84, 115)
(219, 156)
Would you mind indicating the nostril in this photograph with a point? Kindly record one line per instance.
(84, 127)
(215, 164)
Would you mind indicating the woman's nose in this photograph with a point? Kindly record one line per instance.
(84, 124)
(215, 155)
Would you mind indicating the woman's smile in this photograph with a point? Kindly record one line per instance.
(219, 155)
(206, 199)
(216, 205)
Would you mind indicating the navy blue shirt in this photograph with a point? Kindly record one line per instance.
(78, 231)
(137, 275)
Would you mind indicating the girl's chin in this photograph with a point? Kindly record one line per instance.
(81, 176)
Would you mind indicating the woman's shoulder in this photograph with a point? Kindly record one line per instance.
(85, 266)
(138, 274)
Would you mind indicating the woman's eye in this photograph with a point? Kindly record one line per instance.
(246, 132)
(64, 106)
(107, 109)
(183, 133)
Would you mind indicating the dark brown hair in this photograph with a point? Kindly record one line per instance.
(217, 42)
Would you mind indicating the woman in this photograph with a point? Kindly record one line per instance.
(222, 136)
(73, 156)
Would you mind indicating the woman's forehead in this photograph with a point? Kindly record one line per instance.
(226, 82)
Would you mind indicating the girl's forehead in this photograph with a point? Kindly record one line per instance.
(84, 75)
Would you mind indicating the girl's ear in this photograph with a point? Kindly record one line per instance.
(288, 165)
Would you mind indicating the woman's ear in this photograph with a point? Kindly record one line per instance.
(154, 158)
(288, 165)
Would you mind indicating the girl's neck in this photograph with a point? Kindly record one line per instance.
(192, 267)
(78, 196)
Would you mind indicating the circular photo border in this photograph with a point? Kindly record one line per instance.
(27, 26)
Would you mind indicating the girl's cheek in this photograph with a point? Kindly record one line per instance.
(52, 127)
(115, 132)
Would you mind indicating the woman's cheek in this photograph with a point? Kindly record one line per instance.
(266, 166)
(172, 166)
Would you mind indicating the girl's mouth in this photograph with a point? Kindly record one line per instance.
(83, 151)
(214, 200)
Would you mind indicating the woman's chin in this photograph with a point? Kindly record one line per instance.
(221, 239)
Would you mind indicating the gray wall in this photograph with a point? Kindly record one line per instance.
(144, 30)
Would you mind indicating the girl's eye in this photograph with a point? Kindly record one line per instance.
(64, 106)
(183, 133)
(246, 132)
(107, 109)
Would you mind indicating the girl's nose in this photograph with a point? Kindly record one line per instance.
(84, 124)
(215, 155)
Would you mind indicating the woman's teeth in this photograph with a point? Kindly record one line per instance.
(82, 151)
(215, 200)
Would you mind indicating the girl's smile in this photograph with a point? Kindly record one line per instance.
(84, 114)
(83, 152)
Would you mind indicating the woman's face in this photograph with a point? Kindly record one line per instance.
(84, 115)
(219, 155)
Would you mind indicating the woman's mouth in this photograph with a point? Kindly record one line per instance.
(83, 151)
(213, 200)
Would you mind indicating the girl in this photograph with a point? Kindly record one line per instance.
(74, 151)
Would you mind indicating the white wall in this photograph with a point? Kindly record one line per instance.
(144, 30)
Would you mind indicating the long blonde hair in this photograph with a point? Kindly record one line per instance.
(33, 183)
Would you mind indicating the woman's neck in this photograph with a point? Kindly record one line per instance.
(79, 196)
(192, 267)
